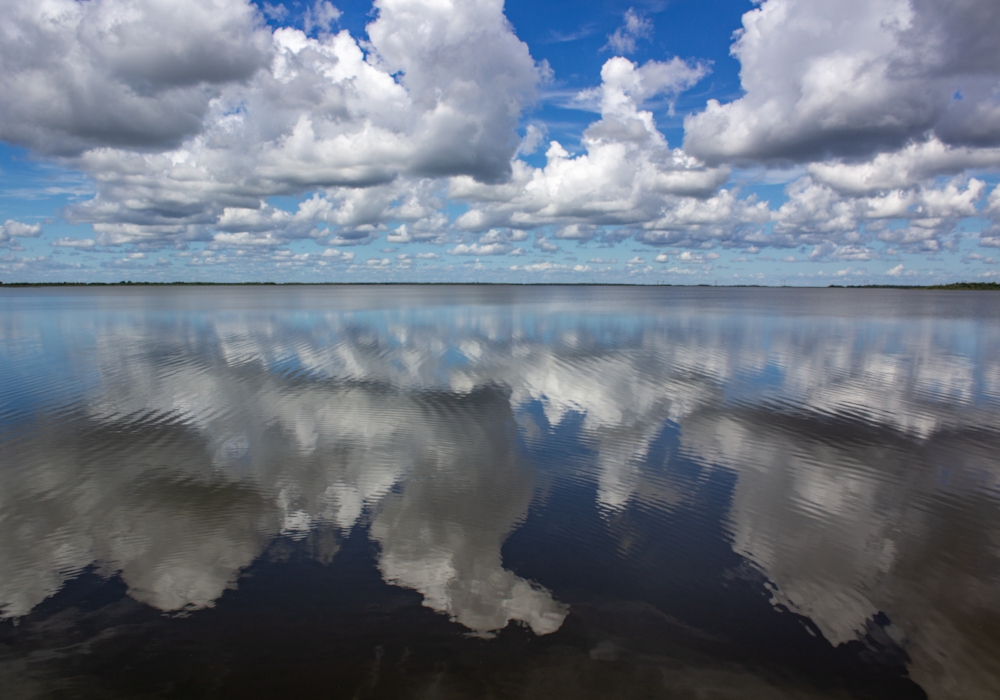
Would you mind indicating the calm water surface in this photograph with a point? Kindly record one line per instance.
(499, 492)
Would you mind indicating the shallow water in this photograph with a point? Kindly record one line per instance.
(499, 492)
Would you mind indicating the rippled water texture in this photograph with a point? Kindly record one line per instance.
(498, 492)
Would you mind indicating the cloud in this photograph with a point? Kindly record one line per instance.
(577, 232)
(635, 27)
(322, 115)
(35, 265)
(81, 243)
(627, 174)
(427, 225)
(415, 135)
(115, 73)
(831, 251)
(545, 245)
(497, 235)
(334, 254)
(689, 258)
(212, 111)
(895, 271)
(626, 85)
(21, 230)
(243, 239)
(533, 137)
(854, 78)
(816, 213)
(468, 76)
(493, 242)
(694, 221)
(481, 249)
(915, 163)
(321, 16)
(544, 266)
(276, 12)
(16, 229)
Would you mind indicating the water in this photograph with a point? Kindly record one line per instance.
(357, 492)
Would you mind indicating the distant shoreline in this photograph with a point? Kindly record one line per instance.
(976, 286)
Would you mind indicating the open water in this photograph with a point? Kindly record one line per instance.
(496, 492)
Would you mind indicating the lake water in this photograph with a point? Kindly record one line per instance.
(471, 492)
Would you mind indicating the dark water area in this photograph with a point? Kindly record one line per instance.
(492, 492)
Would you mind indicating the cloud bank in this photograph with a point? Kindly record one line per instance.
(191, 117)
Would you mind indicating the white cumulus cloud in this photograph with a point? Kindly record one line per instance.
(854, 78)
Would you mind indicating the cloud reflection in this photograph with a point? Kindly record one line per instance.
(178, 475)
(865, 454)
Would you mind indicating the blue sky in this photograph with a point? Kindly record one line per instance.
(784, 142)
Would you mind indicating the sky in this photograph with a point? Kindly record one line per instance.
(796, 142)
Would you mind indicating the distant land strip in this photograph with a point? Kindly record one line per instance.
(978, 286)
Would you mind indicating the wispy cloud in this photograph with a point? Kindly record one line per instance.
(636, 26)
(557, 37)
